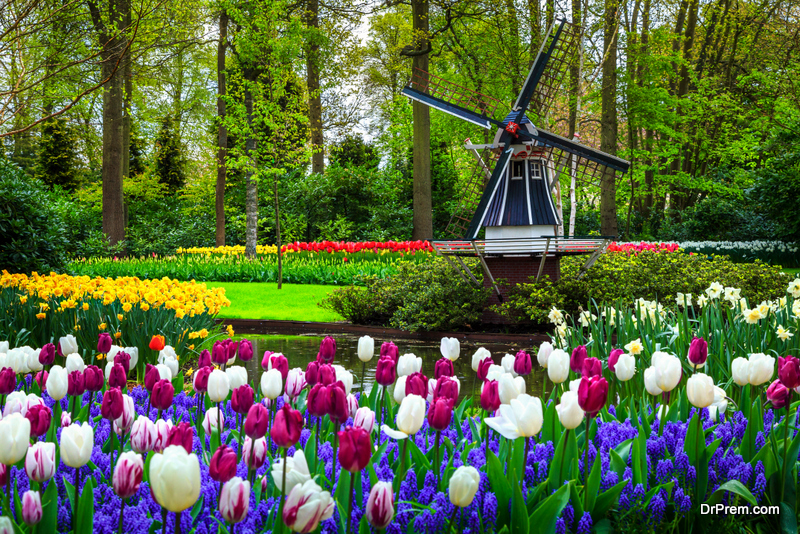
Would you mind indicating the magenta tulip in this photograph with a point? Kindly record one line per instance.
(312, 373)
(151, 376)
(75, 384)
(128, 475)
(490, 396)
(181, 434)
(204, 360)
(8, 380)
(339, 410)
(318, 401)
(592, 394)
(48, 354)
(242, 399)
(257, 421)
(385, 372)
(39, 416)
(789, 371)
(93, 378)
(117, 377)
(576, 360)
(123, 359)
(355, 448)
(698, 351)
(446, 387)
(778, 394)
(222, 466)
(162, 395)
(287, 427)
(613, 358)
(443, 367)
(104, 343)
(113, 404)
(327, 350)
(390, 349)
(200, 381)
(440, 413)
(522, 363)
(218, 353)
(417, 384)
(327, 374)
(245, 350)
(592, 367)
(483, 368)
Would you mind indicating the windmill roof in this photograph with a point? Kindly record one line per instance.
(512, 114)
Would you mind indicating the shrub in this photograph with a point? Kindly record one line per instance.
(420, 296)
(32, 235)
(647, 275)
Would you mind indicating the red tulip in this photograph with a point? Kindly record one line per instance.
(490, 396)
(483, 368)
(75, 384)
(355, 448)
(312, 373)
(113, 404)
(287, 427)
(41, 380)
(443, 367)
(222, 466)
(522, 363)
(93, 378)
(592, 394)
(440, 413)
(698, 351)
(592, 367)
(778, 394)
(162, 395)
(48, 354)
(417, 384)
(39, 415)
(789, 371)
(104, 343)
(242, 399)
(151, 376)
(390, 349)
(613, 357)
(117, 378)
(446, 387)
(318, 401)
(245, 350)
(339, 410)
(385, 372)
(181, 434)
(576, 360)
(327, 350)
(157, 343)
(257, 421)
(204, 360)
(124, 359)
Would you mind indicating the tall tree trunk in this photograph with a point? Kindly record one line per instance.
(222, 131)
(278, 234)
(535, 18)
(423, 204)
(126, 110)
(251, 195)
(314, 91)
(608, 121)
(114, 47)
(574, 109)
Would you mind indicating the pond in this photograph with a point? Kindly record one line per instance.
(300, 350)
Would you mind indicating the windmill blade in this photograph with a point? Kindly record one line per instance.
(480, 174)
(588, 153)
(452, 98)
(547, 71)
(499, 171)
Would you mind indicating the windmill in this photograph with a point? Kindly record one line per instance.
(513, 201)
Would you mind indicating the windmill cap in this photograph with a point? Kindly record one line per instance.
(513, 115)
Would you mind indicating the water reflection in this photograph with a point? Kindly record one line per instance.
(300, 350)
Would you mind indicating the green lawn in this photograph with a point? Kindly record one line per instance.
(294, 302)
(792, 270)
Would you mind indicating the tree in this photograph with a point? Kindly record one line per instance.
(57, 161)
(222, 132)
(170, 165)
(608, 122)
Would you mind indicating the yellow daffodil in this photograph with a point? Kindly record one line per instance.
(783, 333)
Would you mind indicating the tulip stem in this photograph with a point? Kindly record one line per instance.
(436, 458)
(239, 448)
(586, 465)
(121, 511)
(333, 466)
(453, 519)
(178, 522)
(785, 445)
(111, 451)
(163, 520)
(75, 500)
(283, 488)
(544, 386)
(363, 374)
(348, 525)
(403, 462)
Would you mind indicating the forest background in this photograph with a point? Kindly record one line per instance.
(143, 126)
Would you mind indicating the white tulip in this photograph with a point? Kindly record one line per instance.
(410, 417)
(164, 372)
(167, 352)
(700, 390)
(345, 377)
(366, 348)
(508, 364)
(15, 435)
(650, 383)
(219, 386)
(720, 404)
(133, 352)
(211, 420)
(569, 411)
(4, 346)
(308, 505)
(175, 478)
(450, 348)
(74, 363)
(400, 389)
(668, 370)
(760, 368)
(17, 359)
(495, 372)
(574, 385)
(740, 370)
(33, 361)
(464, 485)
(558, 366)
(625, 368)
(480, 355)
(168, 358)
(68, 344)
(5, 526)
(408, 363)
(124, 422)
(523, 417)
(545, 350)
(77, 442)
(296, 471)
(15, 403)
(510, 387)
(57, 382)
(237, 376)
(271, 384)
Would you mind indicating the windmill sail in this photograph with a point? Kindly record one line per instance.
(470, 198)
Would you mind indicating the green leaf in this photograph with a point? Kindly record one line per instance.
(519, 512)
(85, 516)
(71, 492)
(177, 383)
(310, 451)
(500, 487)
(198, 506)
(561, 465)
(592, 485)
(543, 519)
(49, 509)
(733, 486)
(639, 459)
(788, 519)
(551, 429)
(417, 458)
(607, 500)
(363, 526)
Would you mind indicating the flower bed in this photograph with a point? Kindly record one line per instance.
(39, 308)
(298, 451)
(330, 247)
(774, 252)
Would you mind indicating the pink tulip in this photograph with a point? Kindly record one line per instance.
(128, 474)
(380, 505)
(254, 458)
(66, 419)
(778, 395)
(162, 435)
(364, 418)
(352, 404)
(234, 501)
(125, 421)
(143, 435)
(31, 507)
(613, 358)
(295, 383)
(40, 461)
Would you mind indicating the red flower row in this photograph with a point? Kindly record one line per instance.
(643, 246)
(366, 246)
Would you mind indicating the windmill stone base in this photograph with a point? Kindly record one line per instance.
(514, 271)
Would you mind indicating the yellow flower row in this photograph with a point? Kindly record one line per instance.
(233, 250)
(183, 297)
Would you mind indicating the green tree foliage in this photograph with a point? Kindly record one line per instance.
(57, 162)
(170, 165)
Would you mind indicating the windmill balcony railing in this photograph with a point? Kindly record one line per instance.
(524, 246)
